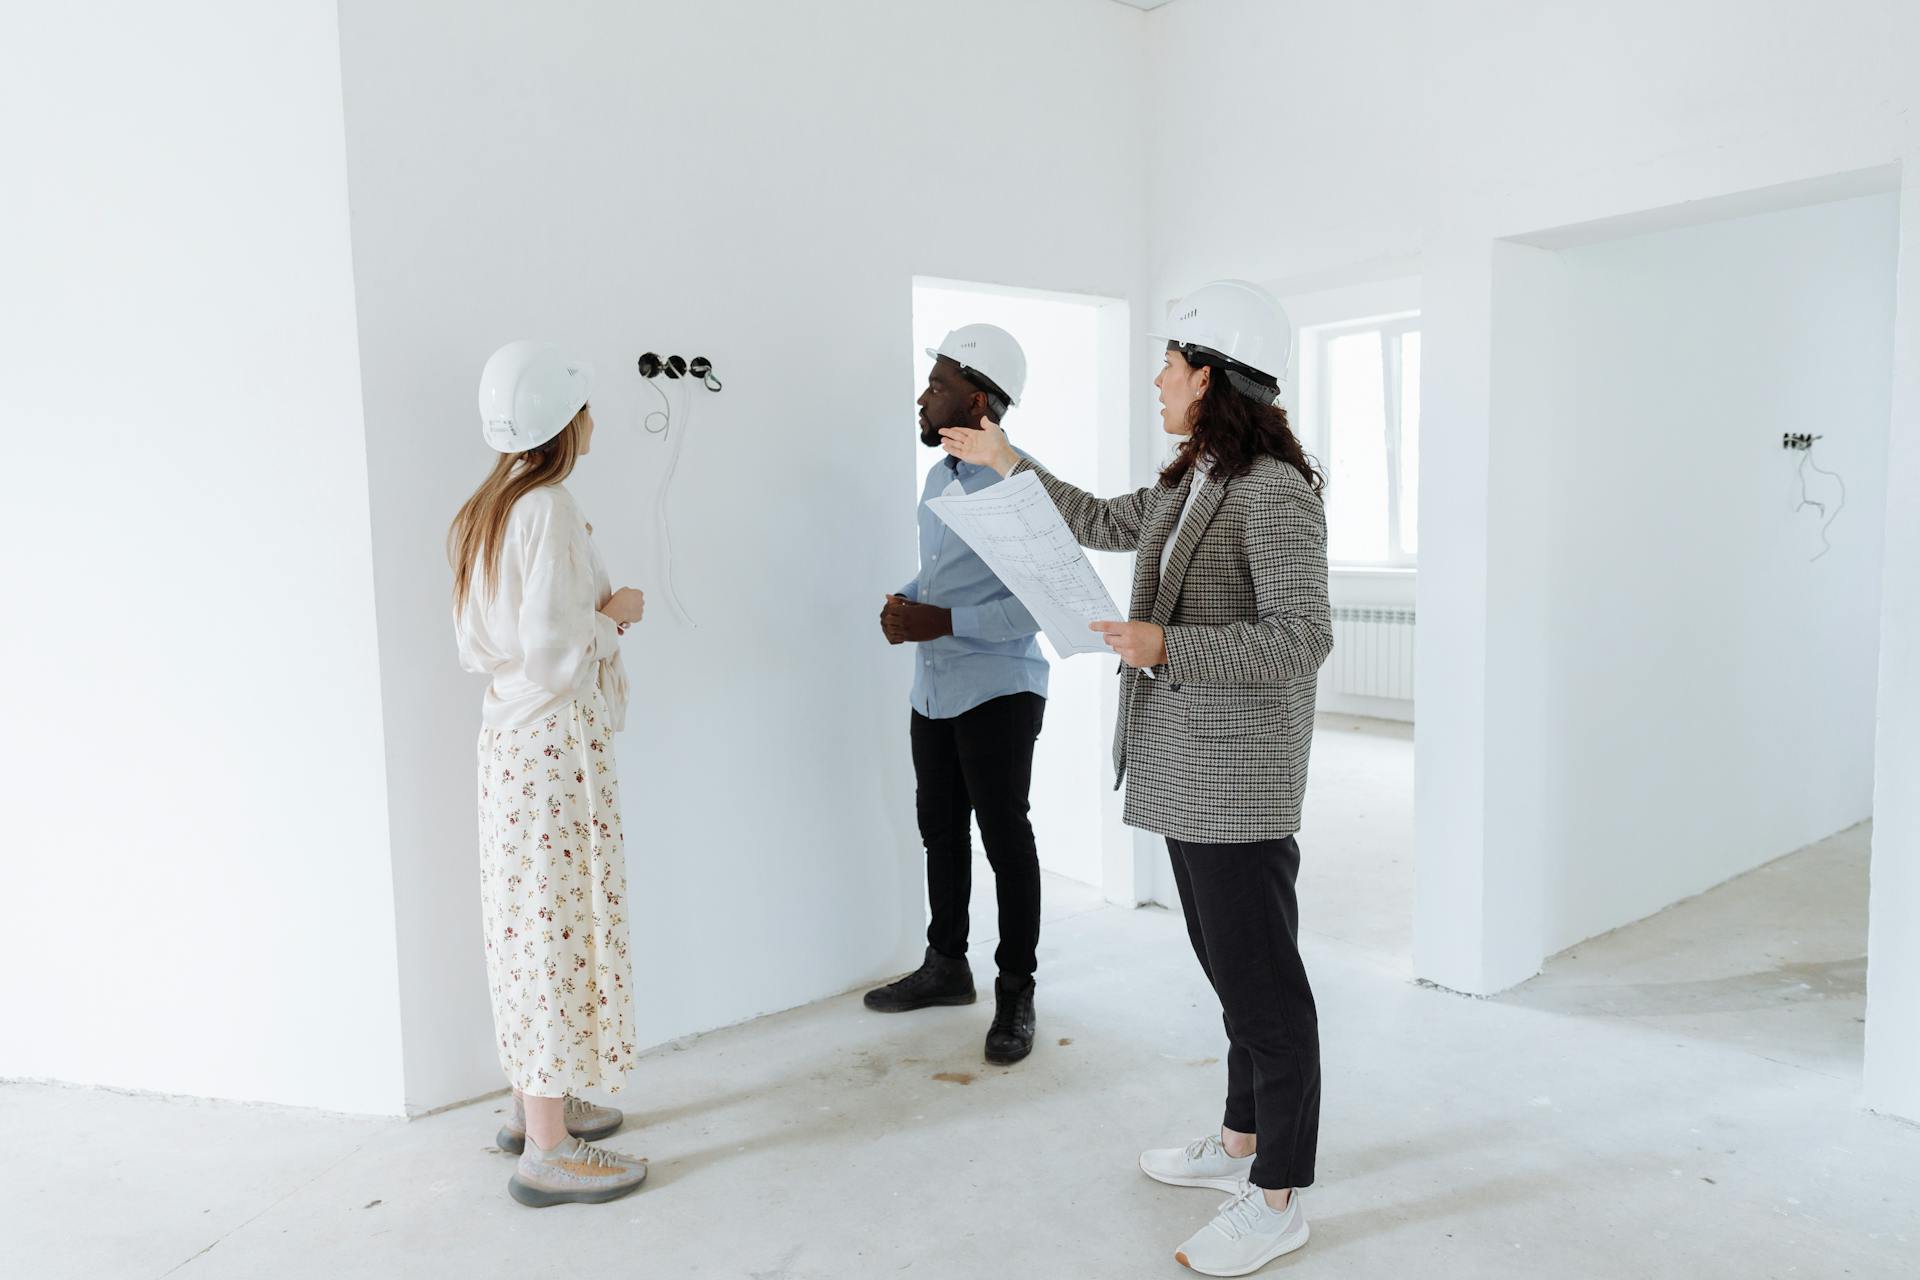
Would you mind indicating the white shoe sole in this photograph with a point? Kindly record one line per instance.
(1228, 1185)
(1280, 1250)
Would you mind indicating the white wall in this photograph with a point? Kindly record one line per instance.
(1701, 132)
(1511, 118)
(1893, 944)
(197, 891)
(1284, 136)
(1710, 689)
(1067, 367)
(759, 185)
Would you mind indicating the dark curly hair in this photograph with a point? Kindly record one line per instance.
(1232, 429)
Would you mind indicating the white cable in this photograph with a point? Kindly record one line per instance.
(1805, 500)
(665, 414)
(1826, 545)
(660, 511)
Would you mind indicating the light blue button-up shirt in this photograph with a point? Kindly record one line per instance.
(992, 651)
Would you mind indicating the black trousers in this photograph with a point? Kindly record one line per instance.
(1245, 924)
(980, 764)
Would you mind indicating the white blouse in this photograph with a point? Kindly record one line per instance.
(540, 634)
(1201, 473)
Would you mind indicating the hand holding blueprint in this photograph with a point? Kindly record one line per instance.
(1015, 528)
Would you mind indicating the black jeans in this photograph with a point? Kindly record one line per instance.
(980, 763)
(1244, 922)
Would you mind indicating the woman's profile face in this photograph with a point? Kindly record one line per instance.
(1180, 385)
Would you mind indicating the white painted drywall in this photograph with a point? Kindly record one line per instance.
(1285, 137)
(1893, 944)
(1369, 136)
(1699, 131)
(759, 185)
(760, 181)
(1709, 687)
(1066, 365)
(198, 897)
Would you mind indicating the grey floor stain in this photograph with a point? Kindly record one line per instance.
(1788, 984)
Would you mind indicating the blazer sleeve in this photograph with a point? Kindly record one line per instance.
(1105, 524)
(1284, 539)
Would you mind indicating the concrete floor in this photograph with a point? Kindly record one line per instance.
(1356, 850)
(1677, 1099)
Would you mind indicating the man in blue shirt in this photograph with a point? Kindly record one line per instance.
(979, 694)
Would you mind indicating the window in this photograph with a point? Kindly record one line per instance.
(1360, 410)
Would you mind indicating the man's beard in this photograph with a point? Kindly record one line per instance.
(930, 437)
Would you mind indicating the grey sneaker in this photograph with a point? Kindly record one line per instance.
(574, 1173)
(1245, 1235)
(1203, 1163)
(584, 1121)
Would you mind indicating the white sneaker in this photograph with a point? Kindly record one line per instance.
(1244, 1236)
(1198, 1164)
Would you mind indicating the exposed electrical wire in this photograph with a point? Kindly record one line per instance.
(1807, 500)
(665, 526)
(1826, 545)
(664, 413)
(673, 368)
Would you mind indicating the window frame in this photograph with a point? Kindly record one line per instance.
(1389, 330)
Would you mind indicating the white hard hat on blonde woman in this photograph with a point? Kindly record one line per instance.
(1240, 323)
(529, 392)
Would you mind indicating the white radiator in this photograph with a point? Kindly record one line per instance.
(1372, 653)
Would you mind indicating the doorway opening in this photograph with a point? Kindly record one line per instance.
(1704, 411)
(1074, 418)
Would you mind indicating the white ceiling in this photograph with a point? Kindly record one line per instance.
(1144, 4)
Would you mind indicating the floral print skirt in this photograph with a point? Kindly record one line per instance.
(553, 890)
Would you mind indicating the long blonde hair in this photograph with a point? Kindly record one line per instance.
(474, 541)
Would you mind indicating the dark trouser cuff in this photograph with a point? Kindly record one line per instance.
(1279, 1180)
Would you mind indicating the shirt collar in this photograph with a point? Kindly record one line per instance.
(962, 469)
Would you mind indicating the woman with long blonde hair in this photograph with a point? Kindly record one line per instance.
(535, 611)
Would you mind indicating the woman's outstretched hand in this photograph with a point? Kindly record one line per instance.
(983, 446)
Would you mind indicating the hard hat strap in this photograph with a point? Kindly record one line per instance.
(1250, 389)
(984, 383)
(1248, 381)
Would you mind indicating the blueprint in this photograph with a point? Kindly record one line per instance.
(1016, 529)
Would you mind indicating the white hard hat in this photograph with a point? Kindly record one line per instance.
(989, 351)
(529, 392)
(1235, 319)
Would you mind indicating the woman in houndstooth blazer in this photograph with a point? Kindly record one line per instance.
(1229, 627)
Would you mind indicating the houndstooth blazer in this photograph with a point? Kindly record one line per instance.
(1214, 748)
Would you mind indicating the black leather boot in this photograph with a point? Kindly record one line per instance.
(938, 980)
(1010, 1038)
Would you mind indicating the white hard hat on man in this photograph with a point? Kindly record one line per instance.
(987, 351)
